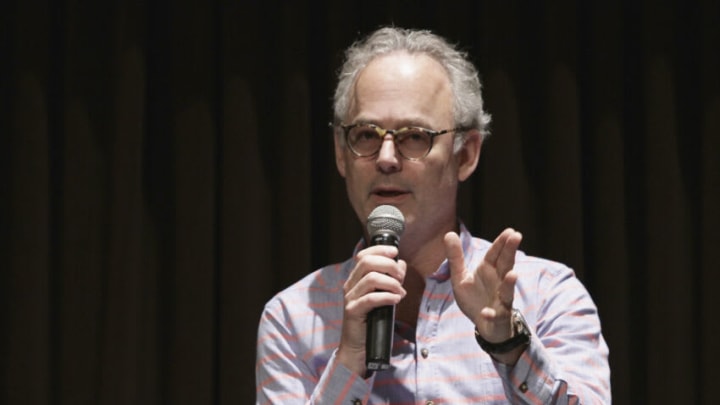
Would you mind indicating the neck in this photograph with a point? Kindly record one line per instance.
(423, 257)
(424, 253)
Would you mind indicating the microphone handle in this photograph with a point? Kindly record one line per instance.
(378, 343)
(380, 321)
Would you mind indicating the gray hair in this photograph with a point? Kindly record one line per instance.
(467, 104)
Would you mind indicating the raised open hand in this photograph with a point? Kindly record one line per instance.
(485, 294)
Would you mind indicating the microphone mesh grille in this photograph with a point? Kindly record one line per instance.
(386, 218)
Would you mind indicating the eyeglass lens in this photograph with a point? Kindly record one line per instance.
(412, 143)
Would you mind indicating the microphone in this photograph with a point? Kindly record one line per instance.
(384, 225)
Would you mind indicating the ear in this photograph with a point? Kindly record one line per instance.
(469, 155)
(339, 153)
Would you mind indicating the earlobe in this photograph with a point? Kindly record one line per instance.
(469, 155)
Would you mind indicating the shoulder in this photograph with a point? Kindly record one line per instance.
(308, 312)
(547, 289)
(526, 265)
(542, 267)
(322, 285)
(539, 279)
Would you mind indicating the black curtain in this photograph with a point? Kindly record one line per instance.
(166, 167)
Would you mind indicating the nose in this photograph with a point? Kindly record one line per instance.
(388, 160)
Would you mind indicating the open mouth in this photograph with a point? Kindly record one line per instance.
(388, 193)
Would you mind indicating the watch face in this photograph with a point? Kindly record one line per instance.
(519, 323)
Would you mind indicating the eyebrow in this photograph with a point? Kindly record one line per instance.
(404, 123)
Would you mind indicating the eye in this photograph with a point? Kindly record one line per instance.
(365, 134)
(413, 135)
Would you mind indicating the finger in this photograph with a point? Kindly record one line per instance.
(454, 254)
(372, 291)
(506, 290)
(388, 251)
(497, 246)
(378, 273)
(506, 257)
(368, 263)
(495, 325)
(360, 307)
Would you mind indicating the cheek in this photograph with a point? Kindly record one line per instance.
(446, 175)
(355, 180)
(356, 190)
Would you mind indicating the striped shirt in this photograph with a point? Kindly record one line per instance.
(439, 360)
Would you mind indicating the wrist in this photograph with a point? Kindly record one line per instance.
(510, 358)
(509, 350)
(353, 360)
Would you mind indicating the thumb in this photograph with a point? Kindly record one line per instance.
(454, 254)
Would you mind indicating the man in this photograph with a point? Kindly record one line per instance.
(475, 322)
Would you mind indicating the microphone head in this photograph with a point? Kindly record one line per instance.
(386, 218)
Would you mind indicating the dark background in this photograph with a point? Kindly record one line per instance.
(166, 167)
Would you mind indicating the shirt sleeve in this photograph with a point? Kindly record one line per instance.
(283, 377)
(567, 359)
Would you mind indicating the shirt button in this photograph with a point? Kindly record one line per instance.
(523, 387)
(424, 353)
(429, 402)
(357, 402)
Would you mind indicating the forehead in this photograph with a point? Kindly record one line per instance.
(402, 89)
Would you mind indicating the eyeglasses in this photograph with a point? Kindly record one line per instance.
(413, 143)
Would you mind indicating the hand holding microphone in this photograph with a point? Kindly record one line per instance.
(385, 225)
(374, 283)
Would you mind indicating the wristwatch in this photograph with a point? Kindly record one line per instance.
(520, 337)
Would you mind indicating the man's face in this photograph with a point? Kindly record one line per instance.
(396, 91)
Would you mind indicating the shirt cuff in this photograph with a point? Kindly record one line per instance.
(338, 384)
(531, 379)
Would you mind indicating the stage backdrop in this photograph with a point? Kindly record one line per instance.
(167, 167)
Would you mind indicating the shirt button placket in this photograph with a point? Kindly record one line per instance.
(428, 323)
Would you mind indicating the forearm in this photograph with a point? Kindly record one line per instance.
(285, 375)
(538, 378)
(338, 384)
(278, 384)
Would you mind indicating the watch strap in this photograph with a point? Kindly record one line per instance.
(521, 337)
